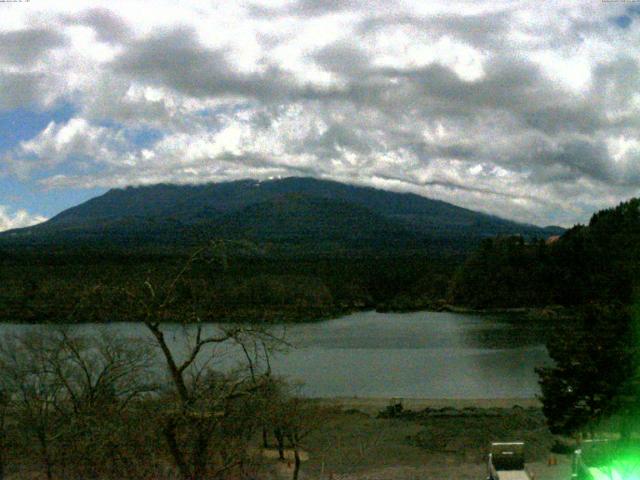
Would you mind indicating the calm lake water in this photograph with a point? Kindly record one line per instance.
(408, 355)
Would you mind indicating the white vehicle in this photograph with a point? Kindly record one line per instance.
(506, 461)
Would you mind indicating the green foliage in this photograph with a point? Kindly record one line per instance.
(599, 263)
(595, 362)
(505, 272)
(92, 287)
(593, 269)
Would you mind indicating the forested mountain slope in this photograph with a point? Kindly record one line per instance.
(318, 214)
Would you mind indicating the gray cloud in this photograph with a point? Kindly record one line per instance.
(20, 89)
(176, 59)
(109, 26)
(343, 58)
(485, 31)
(311, 8)
(616, 82)
(24, 47)
(318, 7)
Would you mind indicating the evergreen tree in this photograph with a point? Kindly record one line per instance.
(594, 368)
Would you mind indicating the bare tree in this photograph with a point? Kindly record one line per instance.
(101, 375)
(202, 398)
(293, 419)
(58, 383)
(101, 370)
(34, 390)
(257, 351)
(4, 413)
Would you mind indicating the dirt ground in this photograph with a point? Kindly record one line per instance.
(462, 471)
(436, 440)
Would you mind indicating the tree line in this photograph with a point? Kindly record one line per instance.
(594, 263)
(86, 286)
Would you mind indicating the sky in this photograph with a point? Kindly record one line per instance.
(526, 110)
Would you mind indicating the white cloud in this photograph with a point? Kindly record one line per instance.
(76, 140)
(17, 219)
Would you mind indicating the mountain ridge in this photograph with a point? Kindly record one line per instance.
(168, 211)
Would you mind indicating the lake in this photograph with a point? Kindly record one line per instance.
(407, 355)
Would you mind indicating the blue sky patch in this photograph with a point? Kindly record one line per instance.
(31, 196)
(23, 124)
(144, 137)
(622, 21)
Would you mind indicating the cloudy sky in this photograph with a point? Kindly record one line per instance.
(528, 110)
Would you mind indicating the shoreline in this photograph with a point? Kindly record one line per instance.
(298, 318)
(375, 404)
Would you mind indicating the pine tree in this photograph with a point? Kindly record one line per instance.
(594, 369)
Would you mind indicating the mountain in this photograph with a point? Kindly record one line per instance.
(315, 214)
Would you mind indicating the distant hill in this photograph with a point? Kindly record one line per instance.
(315, 215)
